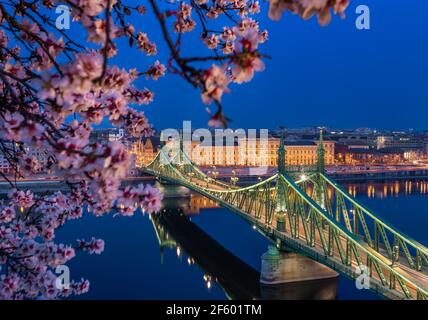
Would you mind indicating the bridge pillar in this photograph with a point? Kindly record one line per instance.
(282, 273)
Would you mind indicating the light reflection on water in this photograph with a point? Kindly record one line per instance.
(384, 189)
(381, 190)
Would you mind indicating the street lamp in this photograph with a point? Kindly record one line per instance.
(354, 220)
(214, 172)
(395, 254)
(208, 279)
(234, 179)
(191, 174)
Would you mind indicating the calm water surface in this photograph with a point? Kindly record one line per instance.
(141, 262)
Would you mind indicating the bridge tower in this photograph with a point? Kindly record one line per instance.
(280, 210)
(181, 151)
(321, 154)
(320, 191)
(281, 154)
(182, 161)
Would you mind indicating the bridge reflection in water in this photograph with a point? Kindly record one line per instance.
(175, 231)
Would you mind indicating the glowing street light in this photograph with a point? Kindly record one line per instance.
(191, 174)
(395, 255)
(214, 172)
(234, 179)
(207, 279)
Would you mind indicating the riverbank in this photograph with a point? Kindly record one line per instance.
(40, 185)
(246, 176)
(380, 175)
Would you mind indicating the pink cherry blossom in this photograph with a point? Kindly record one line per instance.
(228, 34)
(21, 198)
(145, 45)
(184, 22)
(80, 287)
(254, 7)
(7, 215)
(216, 82)
(212, 13)
(244, 72)
(227, 47)
(156, 71)
(94, 246)
(212, 41)
(248, 39)
(151, 198)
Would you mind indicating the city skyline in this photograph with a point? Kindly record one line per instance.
(316, 127)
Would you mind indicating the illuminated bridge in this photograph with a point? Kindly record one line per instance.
(307, 212)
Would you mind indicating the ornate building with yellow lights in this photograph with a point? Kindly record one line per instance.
(243, 152)
(259, 153)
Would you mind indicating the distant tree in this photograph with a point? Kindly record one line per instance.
(55, 88)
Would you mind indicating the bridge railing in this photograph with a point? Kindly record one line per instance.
(375, 229)
(187, 167)
(324, 231)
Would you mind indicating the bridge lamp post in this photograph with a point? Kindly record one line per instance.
(207, 279)
(234, 179)
(180, 167)
(395, 254)
(354, 220)
(214, 172)
(207, 180)
(191, 174)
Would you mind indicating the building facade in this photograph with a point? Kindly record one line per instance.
(255, 152)
(371, 157)
(402, 142)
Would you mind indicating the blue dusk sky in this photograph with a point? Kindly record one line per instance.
(335, 76)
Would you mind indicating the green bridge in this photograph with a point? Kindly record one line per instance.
(307, 212)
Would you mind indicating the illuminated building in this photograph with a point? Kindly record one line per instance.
(254, 152)
(382, 156)
(406, 143)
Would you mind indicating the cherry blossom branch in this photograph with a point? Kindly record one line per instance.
(107, 42)
(174, 51)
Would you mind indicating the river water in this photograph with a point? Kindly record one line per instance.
(143, 260)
